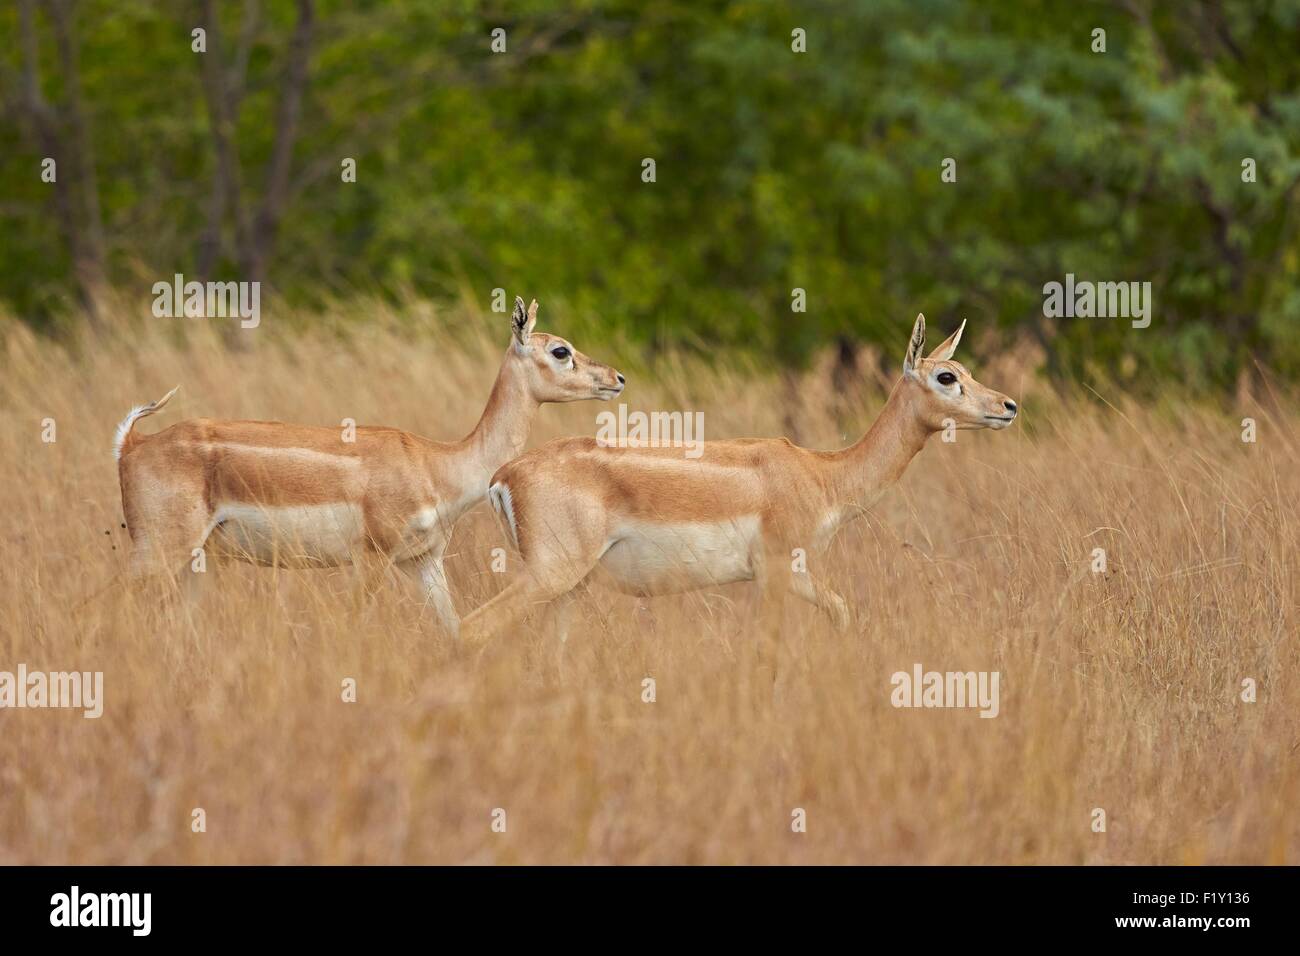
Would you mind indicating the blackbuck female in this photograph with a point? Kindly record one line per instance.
(658, 522)
(303, 496)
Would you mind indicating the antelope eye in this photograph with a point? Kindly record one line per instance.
(946, 378)
(560, 352)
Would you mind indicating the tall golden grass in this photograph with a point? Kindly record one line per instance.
(1120, 691)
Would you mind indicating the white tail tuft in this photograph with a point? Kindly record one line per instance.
(140, 411)
(499, 495)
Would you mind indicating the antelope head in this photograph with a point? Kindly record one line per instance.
(554, 370)
(943, 389)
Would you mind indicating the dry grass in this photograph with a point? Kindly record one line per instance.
(1119, 691)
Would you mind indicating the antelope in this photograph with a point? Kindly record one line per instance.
(656, 522)
(287, 495)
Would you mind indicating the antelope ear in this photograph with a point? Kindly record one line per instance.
(915, 346)
(944, 351)
(522, 321)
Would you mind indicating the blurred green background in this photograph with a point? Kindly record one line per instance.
(775, 169)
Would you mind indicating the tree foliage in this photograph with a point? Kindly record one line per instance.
(775, 169)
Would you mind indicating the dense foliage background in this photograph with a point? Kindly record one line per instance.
(775, 169)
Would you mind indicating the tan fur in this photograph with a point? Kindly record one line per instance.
(301, 496)
(655, 521)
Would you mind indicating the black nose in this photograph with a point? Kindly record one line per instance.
(621, 379)
(1011, 406)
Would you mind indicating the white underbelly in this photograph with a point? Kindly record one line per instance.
(653, 558)
(289, 536)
